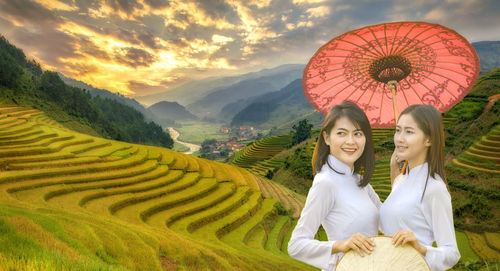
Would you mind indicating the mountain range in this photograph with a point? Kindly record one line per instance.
(193, 91)
(268, 98)
(169, 112)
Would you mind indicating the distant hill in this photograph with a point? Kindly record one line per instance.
(110, 95)
(210, 105)
(191, 92)
(23, 82)
(489, 55)
(171, 111)
(278, 108)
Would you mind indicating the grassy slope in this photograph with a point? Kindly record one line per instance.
(475, 201)
(43, 226)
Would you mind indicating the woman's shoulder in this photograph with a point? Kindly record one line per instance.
(436, 187)
(325, 180)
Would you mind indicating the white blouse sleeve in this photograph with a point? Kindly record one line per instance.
(302, 245)
(374, 196)
(376, 201)
(438, 213)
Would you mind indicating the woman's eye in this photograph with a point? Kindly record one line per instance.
(358, 134)
(409, 132)
(340, 133)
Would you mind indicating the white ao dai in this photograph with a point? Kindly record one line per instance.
(430, 218)
(336, 202)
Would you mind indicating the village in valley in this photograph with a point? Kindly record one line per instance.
(239, 137)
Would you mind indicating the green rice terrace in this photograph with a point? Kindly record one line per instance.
(473, 166)
(484, 155)
(73, 201)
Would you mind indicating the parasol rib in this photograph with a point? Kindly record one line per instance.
(378, 42)
(445, 88)
(408, 50)
(404, 94)
(385, 37)
(435, 67)
(350, 84)
(340, 75)
(416, 93)
(418, 41)
(432, 92)
(362, 94)
(363, 48)
(373, 93)
(434, 42)
(404, 37)
(394, 40)
(379, 54)
(352, 92)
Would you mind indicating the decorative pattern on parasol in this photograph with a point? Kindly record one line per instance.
(389, 66)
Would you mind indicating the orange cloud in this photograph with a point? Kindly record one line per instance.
(56, 5)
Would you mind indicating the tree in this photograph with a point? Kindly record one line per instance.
(301, 132)
(10, 71)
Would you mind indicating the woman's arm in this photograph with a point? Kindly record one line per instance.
(302, 245)
(437, 210)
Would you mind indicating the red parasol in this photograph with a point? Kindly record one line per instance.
(387, 67)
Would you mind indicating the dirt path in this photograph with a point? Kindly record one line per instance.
(491, 100)
(175, 134)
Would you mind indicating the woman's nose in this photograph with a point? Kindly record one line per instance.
(350, 138)
(398, 137)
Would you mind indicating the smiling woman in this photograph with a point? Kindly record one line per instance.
(418, 211)
(340, 199)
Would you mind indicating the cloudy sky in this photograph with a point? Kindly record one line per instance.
(147, 46)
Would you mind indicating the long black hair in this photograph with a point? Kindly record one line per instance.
(358, 118)
(429, 120)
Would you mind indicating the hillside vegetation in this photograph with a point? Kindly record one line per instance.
(70, 201)
(23, 82)
(472, 151)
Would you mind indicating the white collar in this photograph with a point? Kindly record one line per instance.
(338, 165)
(417, 171)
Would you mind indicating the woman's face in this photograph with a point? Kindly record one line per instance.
(410, 141)
(346, 141)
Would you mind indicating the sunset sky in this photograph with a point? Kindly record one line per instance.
(147, 46)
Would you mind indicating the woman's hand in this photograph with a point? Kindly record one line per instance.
(357, 242)
(403, 237)
(394, 164)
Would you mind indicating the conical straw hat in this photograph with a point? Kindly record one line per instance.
(385, 257)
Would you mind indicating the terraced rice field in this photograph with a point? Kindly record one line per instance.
(290, 200)
(381, 179)
(94, 204)
(260, 150)
(485, 245)
(484, 155)
(380, 134)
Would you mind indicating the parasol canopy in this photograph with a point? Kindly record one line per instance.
(387, 67)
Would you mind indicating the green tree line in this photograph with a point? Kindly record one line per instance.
(23, 82)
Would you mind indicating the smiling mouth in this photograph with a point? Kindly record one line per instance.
(349, 150)
(401, 148)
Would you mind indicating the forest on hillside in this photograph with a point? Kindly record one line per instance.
(23, 82)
